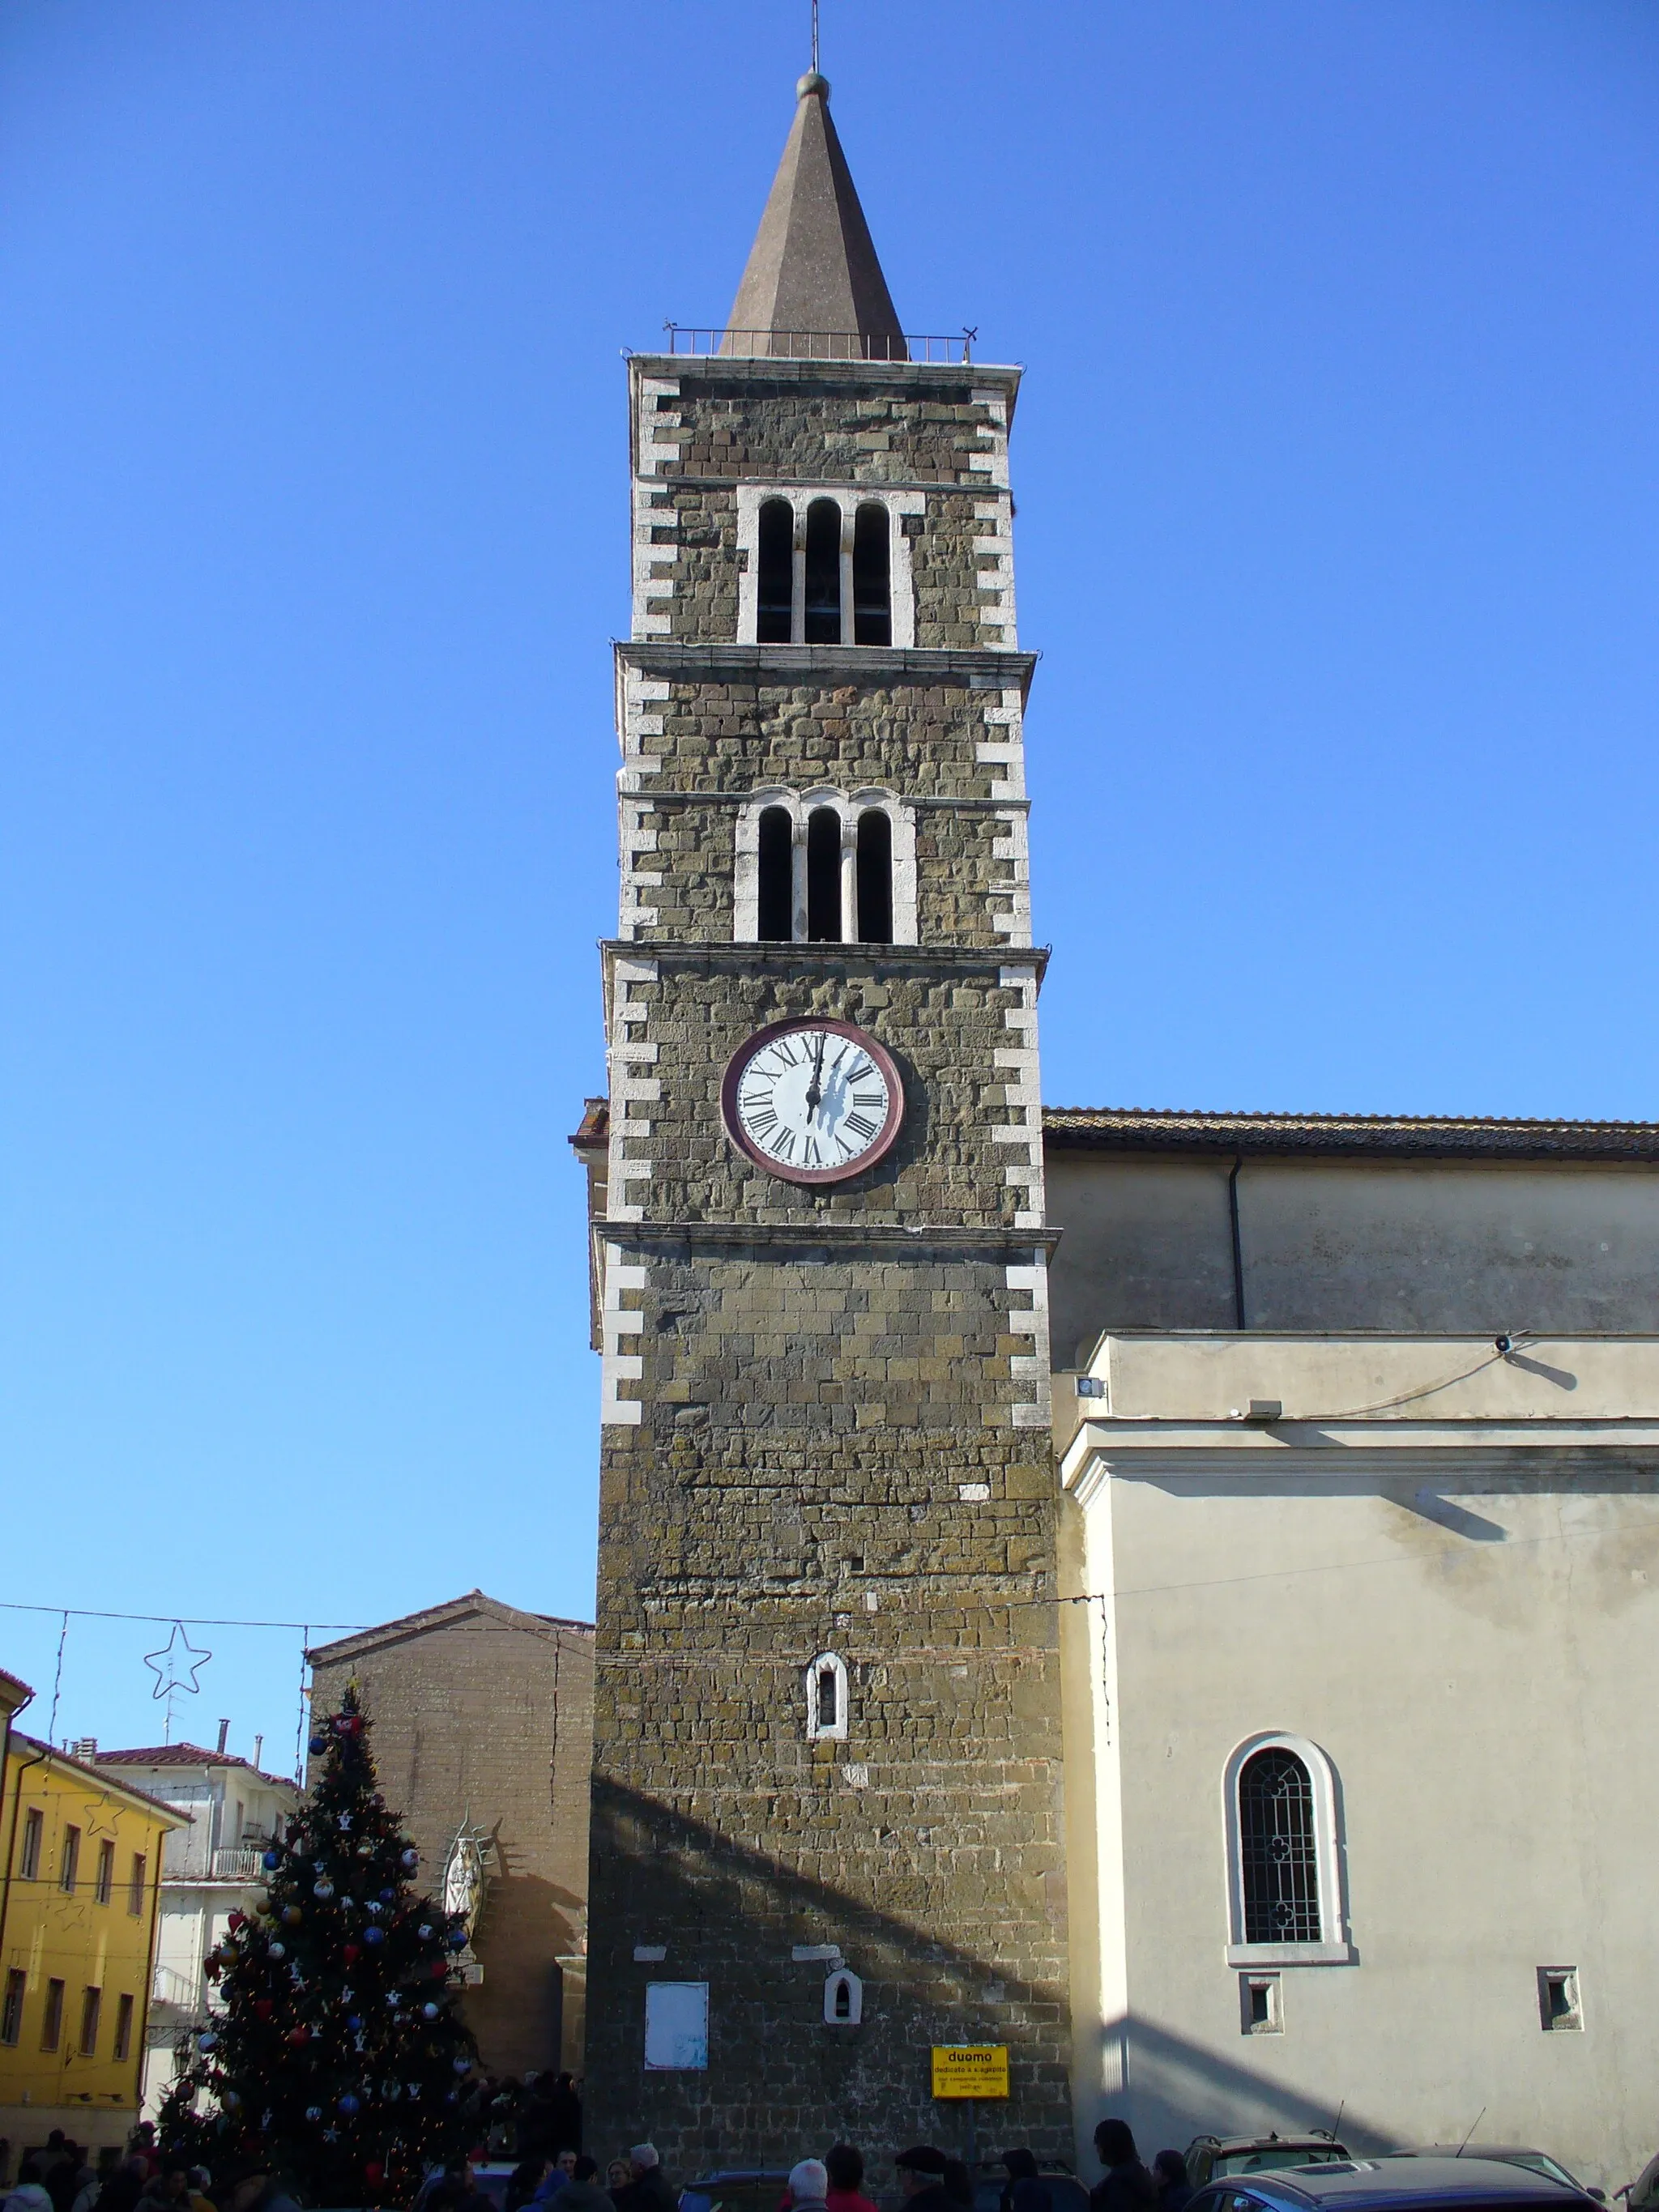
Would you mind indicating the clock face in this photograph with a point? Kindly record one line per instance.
(813, 1101)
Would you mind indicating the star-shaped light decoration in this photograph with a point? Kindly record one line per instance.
(176, 1666)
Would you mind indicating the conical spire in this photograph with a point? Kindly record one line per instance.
(812, 268)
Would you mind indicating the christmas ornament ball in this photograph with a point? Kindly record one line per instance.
(424, 1931)
(323, 1889)
(430, 2011)
(463, 2065)
(292, 1914)
(373, 1935)
(457, 1939)
(314, 2111)
(207, 2040)
(318, 1746)
(411, 1858)
(271, 1861)
(349, 2104)
(278, 1951)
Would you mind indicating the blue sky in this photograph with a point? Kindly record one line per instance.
(1338, 472)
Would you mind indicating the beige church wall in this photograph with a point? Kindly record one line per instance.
(1146, 1245)
(1475, 1652)
(1432, 1245)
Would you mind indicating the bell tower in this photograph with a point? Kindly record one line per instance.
(827, 1817)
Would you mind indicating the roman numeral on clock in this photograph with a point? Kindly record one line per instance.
(862, 1126)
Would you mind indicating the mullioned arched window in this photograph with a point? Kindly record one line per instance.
(823, 568)
(825, 867)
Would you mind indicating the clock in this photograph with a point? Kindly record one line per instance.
(813, 1100)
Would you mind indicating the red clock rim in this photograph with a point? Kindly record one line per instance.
(845, 1172)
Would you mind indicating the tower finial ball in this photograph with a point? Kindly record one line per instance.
(812, 86)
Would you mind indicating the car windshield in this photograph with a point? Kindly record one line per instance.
(1265, 2159)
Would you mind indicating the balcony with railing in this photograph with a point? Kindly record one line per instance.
(954, 347)
(239, 1863)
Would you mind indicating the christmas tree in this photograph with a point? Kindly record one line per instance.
(339, 2057)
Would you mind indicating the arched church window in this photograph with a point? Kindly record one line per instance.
(823, 876)
(875, 876)
(1279, 1849)
(776, 889)
(775, 573)
(873, 589)
(826, 1698)
(822, 573)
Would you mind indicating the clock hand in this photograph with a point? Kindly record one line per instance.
(814, 1089)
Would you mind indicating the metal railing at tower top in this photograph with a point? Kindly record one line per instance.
(821, 345)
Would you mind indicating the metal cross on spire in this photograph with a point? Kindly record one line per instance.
(815, 37)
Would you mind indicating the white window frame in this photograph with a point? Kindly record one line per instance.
(1334, 1947)
(849, 805)
(751, 497)
(836, 1732)
(843, 1978)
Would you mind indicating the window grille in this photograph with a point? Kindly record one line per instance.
(1278, 1850)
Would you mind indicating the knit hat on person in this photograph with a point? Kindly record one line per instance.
(809, 2182)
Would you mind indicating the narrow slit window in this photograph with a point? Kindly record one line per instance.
(826, 1692)
(11, 2019)
(824, 573)
(34, 1827)
(51, 2017)
(1278, 1849)
(106, 1871)
(136, 1883)
(124, 2012)
(68, 1866)
(823, 876)
(775, 578)
(92, 2009)
(872, 585)
(776, 854)
(875, 876)
(826, 1699)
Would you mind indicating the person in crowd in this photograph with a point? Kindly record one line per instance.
(557, 2178)
(456, 2190)
(200, 2182)
(1126, 2185)
(582, 2192)
(142, 2144)
(524, 2183)
(29, 2195)
(565, 2111)
(649, 2189)
(121, 2191)
(256, 2189)
(957, 2184)
(1169, 2172)
(66, 2179)
(809, 2185)
(109, 2159)
(845, 2168)
(921, 2173)
(617, 2178)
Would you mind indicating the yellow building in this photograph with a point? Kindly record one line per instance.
(81, 1859)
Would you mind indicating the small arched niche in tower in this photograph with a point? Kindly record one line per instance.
(774, 567)
(822, 623)
(823, 876)
(872, 579)
(875, 876)
(775, 857)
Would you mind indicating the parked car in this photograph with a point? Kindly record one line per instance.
(1065, 2192)
(736, 2189)
(1210, 2157)
(1535, 2161)
(1392, 2184)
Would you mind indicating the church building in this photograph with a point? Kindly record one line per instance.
(1163, 1601)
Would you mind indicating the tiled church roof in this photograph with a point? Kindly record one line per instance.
(1136, 1128)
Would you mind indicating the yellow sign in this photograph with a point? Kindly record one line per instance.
(975, 2069)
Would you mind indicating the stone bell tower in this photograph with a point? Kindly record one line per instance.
(827, 1763)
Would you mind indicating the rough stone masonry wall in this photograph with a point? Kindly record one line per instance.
(493, 1724)
(829, 1462)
